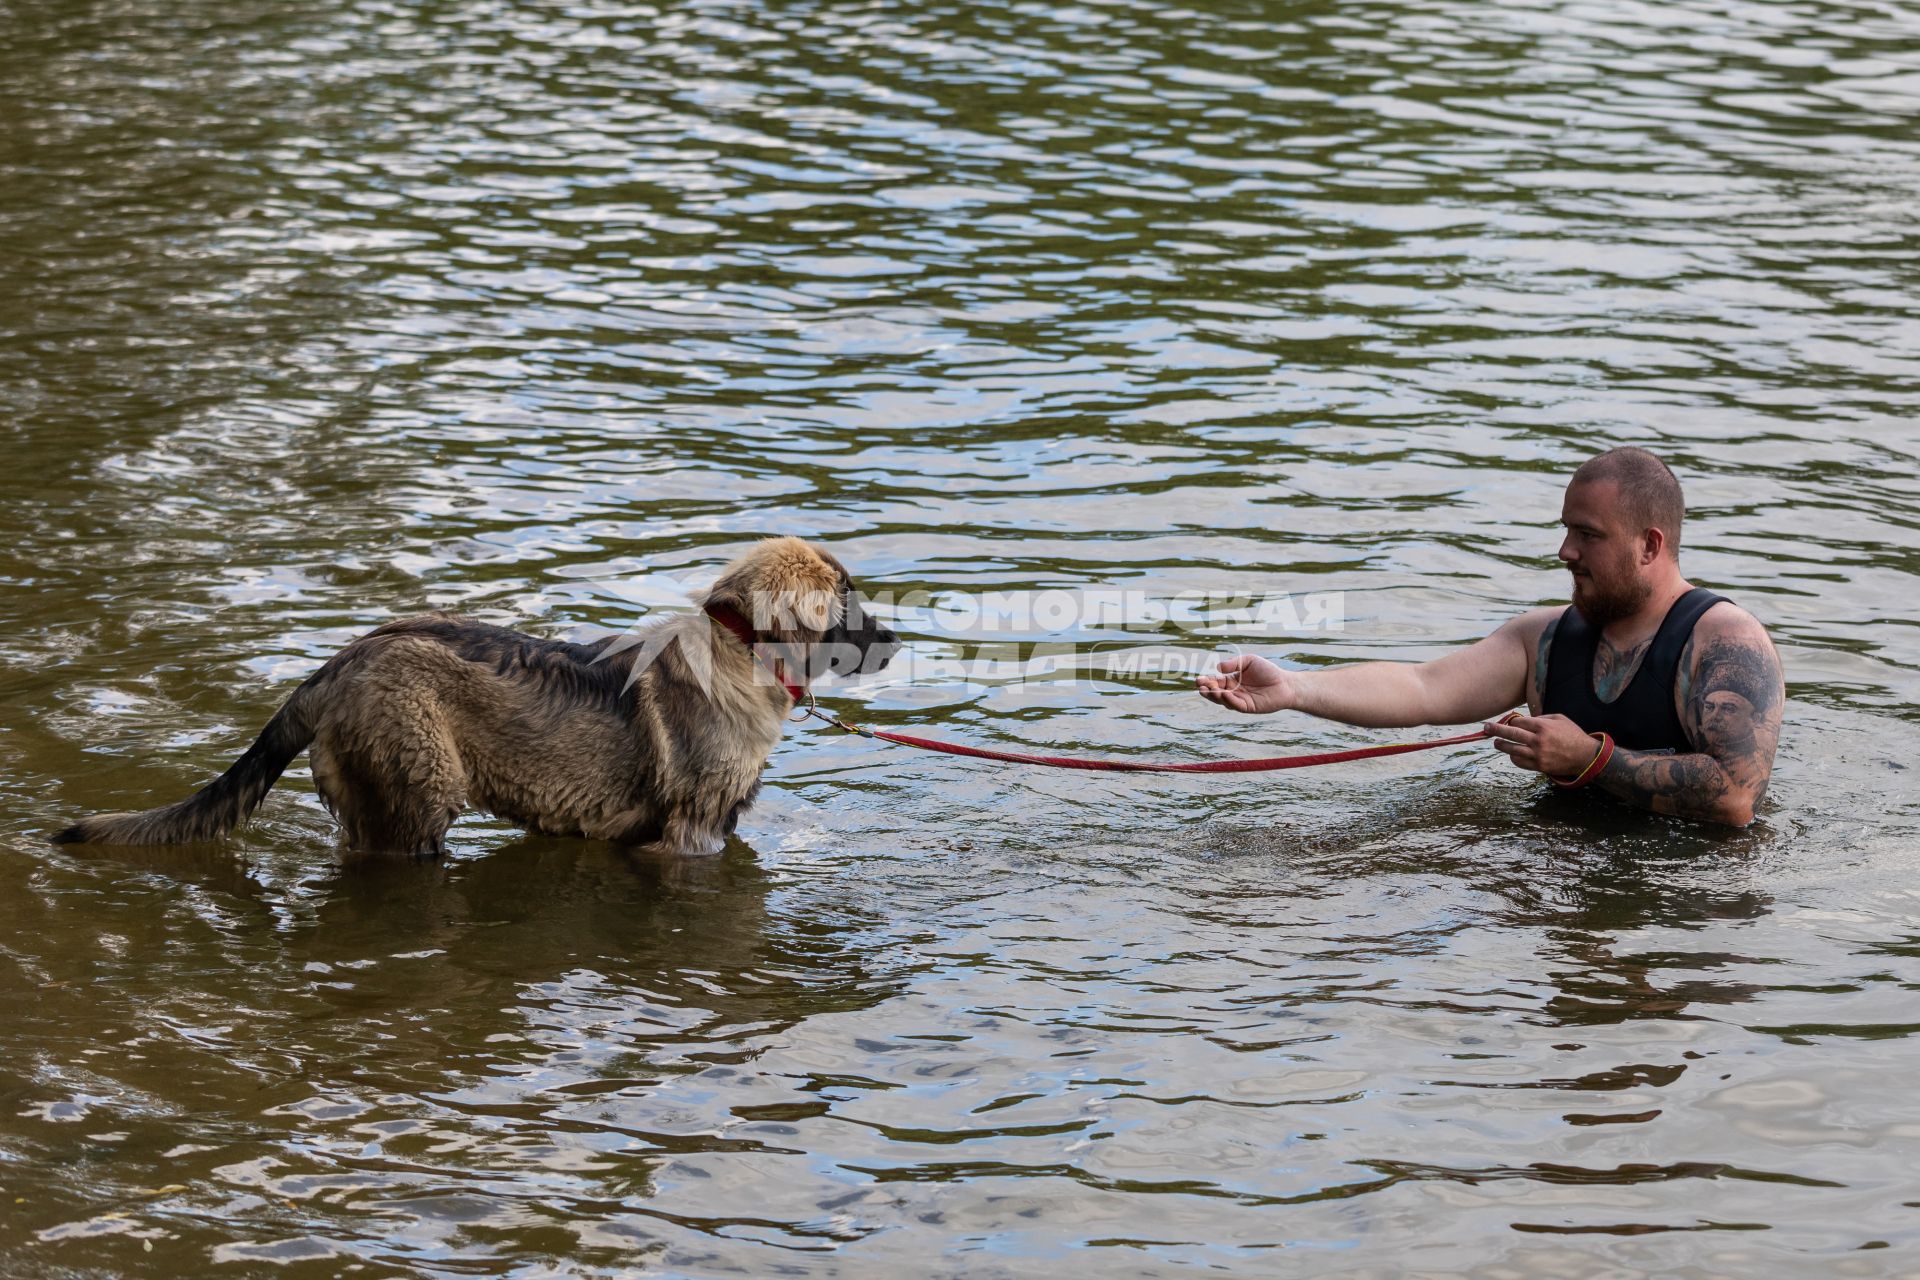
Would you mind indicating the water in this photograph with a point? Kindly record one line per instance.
(317, 315)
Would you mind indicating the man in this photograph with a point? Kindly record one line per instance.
(1687, 685)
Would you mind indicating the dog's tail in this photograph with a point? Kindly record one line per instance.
(215, 809)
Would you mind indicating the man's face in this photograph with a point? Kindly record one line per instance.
(1607, 556)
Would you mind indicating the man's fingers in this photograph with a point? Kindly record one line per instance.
(1520, 738)
(1508, 731)
(1233, 699)
(1523, 757)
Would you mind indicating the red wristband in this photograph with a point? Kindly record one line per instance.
(1594, 766)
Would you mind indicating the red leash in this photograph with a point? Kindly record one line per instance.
(733, 622)
(1141, 766)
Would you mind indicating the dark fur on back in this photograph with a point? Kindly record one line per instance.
(571, 672)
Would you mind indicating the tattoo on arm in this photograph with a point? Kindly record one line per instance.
(1690, 786)
(1735, 697)
(1537, 695)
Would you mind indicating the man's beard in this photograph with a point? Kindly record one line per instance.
(1603, 605)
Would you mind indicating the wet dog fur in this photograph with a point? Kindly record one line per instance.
(412, 723)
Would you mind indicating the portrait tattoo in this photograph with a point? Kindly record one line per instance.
(1727, 704)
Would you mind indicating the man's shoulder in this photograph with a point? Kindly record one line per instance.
(1725, 620)
(1728, 638)
(1533, 624)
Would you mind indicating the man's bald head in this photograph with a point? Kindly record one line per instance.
(1649, 495)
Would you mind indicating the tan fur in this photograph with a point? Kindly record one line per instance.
(415, 722)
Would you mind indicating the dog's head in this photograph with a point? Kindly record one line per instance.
(801, 601)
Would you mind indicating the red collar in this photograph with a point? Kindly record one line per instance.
(729, 617)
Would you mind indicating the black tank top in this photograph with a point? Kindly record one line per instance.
(1642, 718)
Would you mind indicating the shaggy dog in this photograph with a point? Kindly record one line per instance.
(659, 740)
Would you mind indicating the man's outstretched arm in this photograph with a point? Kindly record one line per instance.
(1733, 698)
(1481, 680)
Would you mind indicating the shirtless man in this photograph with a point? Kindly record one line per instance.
(1687, 684)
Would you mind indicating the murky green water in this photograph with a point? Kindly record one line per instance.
(317, 315)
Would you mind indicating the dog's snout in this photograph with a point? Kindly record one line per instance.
(880, 652)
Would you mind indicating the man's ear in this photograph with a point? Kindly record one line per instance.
(1653, 544)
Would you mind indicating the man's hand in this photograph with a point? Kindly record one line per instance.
(1553, 745)
(1250, 684)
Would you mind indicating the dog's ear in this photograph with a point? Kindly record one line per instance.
(741, 587)
(728, 594)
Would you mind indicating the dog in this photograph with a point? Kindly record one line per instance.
(658, 740)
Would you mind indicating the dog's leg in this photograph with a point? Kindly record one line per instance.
(395, 791)
(436, 799)
(684, 834)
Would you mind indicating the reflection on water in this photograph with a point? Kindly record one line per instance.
(312, 316)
